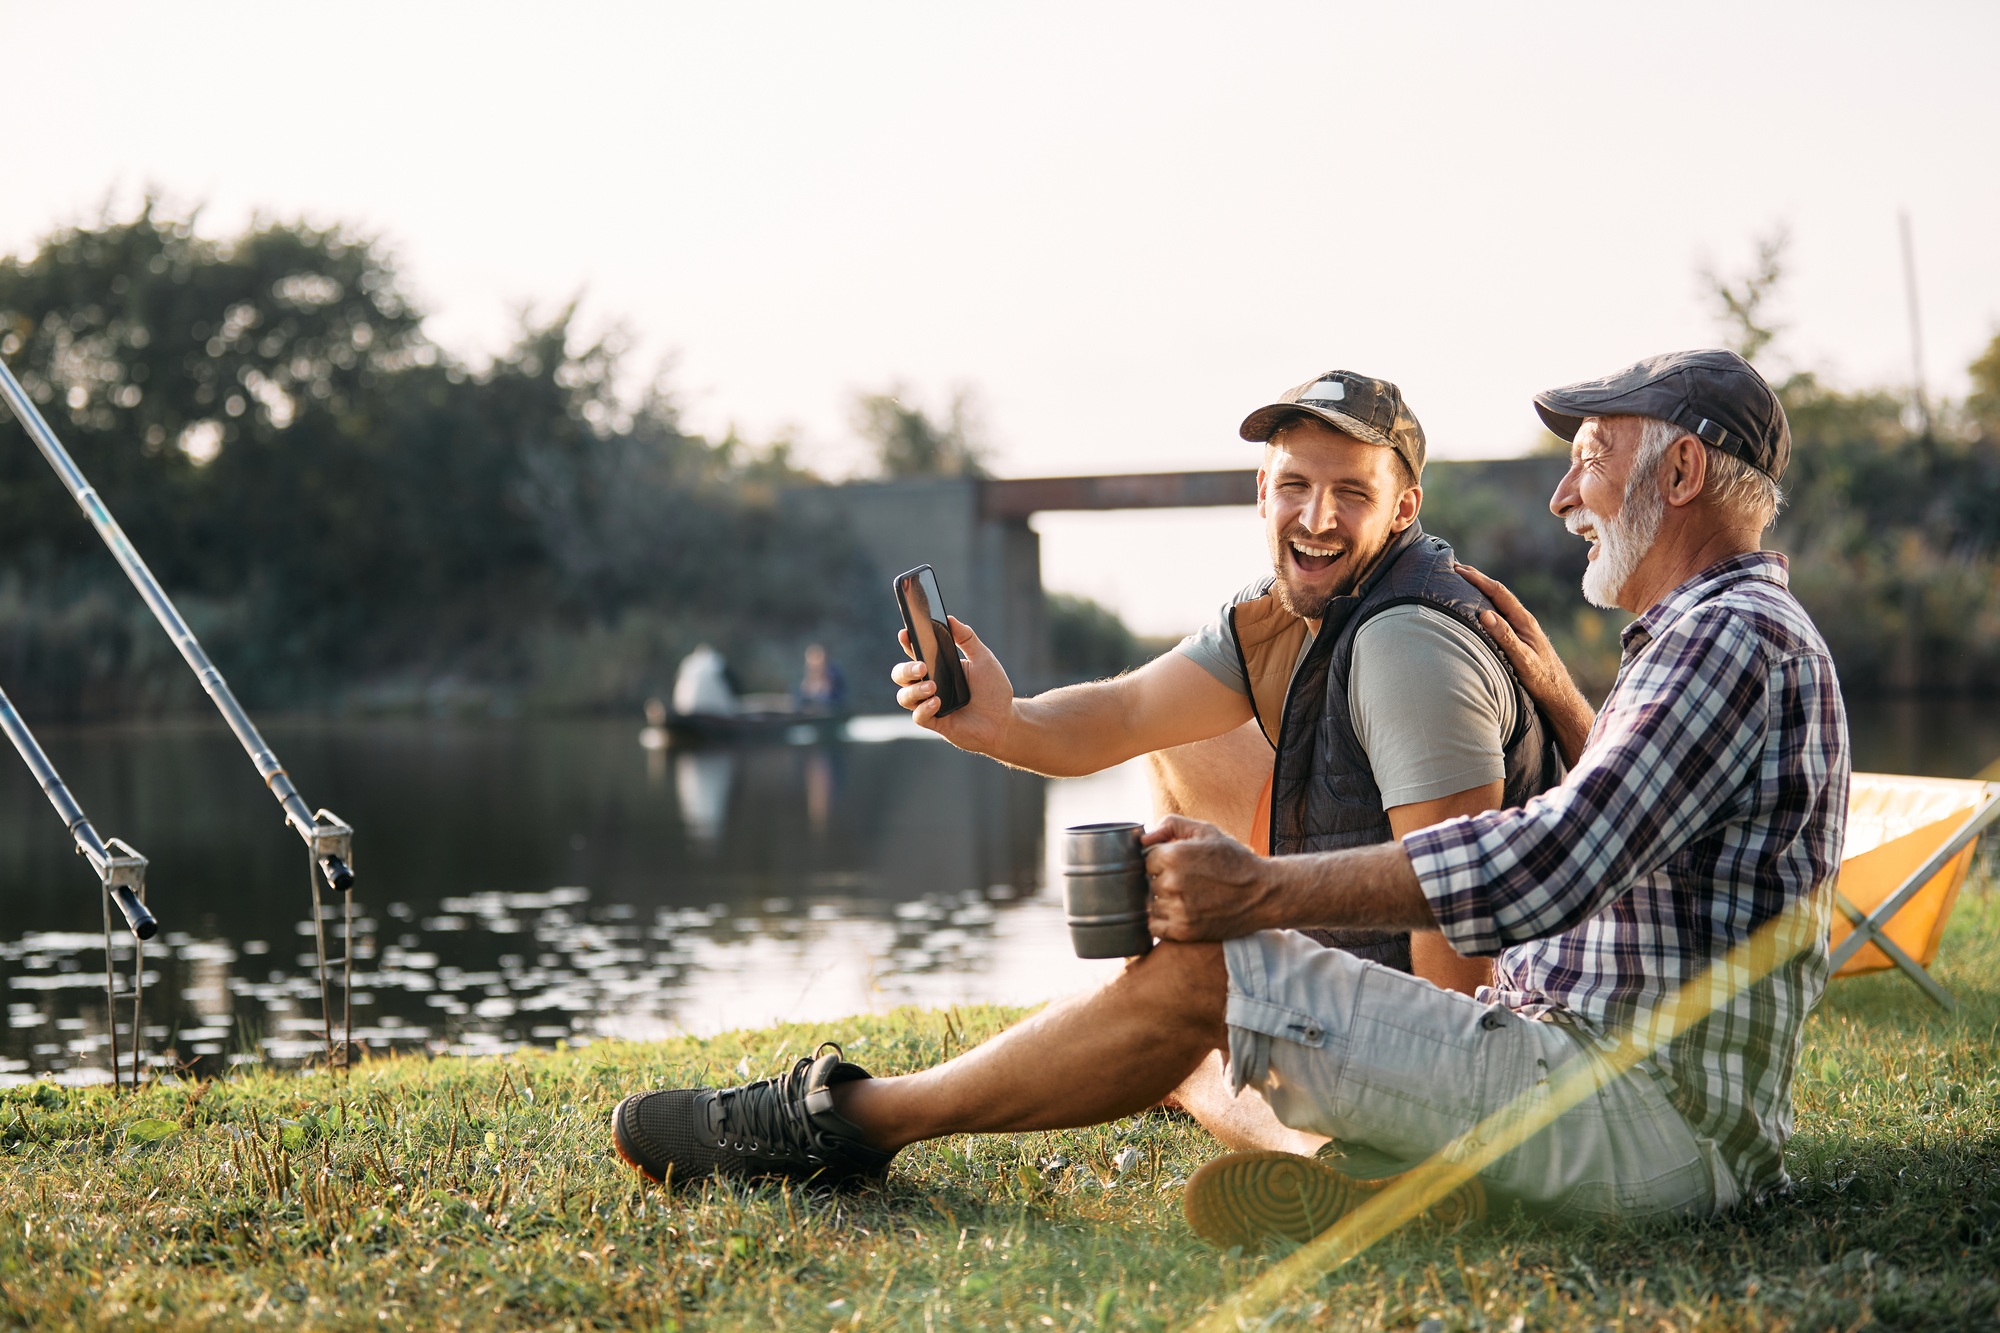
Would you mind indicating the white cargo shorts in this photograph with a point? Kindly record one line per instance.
(1387, 1062)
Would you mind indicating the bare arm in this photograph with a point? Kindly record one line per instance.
(1431, 955)
(1542, 673)
(1079, 728)
(1208, 886)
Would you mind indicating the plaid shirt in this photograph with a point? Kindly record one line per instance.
(1711, 796)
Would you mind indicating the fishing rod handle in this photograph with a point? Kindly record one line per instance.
(140, 920)
(339, 876)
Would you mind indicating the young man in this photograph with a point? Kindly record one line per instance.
(1705, 808)
(1358, 666)
(1348, 698)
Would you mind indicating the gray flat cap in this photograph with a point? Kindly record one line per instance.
(1715, 396)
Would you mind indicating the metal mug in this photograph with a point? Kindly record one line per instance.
(1105, 891)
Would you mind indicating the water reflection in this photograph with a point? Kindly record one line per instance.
(561, 882)
(702, 779)
(698, 889)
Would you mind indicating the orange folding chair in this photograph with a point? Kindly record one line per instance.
(1909, 845)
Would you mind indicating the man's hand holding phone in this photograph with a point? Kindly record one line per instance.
(981, 725)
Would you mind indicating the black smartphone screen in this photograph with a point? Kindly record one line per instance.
(922, 605)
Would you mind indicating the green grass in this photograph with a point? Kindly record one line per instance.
(481, 1193)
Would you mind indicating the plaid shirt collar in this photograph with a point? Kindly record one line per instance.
(1767, 565)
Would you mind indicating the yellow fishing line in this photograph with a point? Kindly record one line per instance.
(1412, 1193)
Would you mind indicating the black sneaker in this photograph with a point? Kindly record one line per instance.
(774, 1127)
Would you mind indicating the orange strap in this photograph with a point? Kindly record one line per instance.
(1260, 823)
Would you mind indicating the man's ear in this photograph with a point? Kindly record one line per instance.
(1408, 505)
(1262, 474)
(1685, 471)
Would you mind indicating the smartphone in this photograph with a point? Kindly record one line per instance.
(922, 605)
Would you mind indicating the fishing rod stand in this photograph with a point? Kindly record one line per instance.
(122, 871)
(123, 874)
(328, 837)
(332, 841)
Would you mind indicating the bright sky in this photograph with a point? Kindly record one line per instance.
(1123, 225)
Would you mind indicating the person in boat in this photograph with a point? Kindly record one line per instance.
(704, 686)
(823, 687)
(1704, 806)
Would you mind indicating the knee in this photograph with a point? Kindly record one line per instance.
(1188, 983)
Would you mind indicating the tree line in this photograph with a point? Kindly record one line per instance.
(349, 516)
(1891, 520)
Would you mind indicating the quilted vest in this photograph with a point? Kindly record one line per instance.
(1323, 792)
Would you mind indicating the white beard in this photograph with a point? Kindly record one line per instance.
(1622, 542)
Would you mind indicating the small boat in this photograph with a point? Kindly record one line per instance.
(752, 724)
(706, 706)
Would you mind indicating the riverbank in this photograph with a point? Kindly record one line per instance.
(457, 1193)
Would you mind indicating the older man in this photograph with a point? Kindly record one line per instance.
(1706, 801)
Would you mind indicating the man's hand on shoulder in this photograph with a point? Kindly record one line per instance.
(1206, 885)
(1534, 659)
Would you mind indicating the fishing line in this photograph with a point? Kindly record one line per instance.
(138, 993)
(111, 994)
(347, 983)
(319, 938)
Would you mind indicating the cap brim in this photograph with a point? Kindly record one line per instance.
(1565, 424)
(1262, 424)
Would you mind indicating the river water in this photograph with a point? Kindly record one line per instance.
(551, 882)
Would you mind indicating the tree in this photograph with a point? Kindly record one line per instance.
(1982, 406)
(336, 503)
(909, 443)
(1745, 303)
(1087, 640)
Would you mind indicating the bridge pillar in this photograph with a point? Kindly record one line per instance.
(988, 567)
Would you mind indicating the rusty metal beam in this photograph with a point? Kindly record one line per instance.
(1017, 498)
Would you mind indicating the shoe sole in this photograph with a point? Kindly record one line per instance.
(623, 1148)
(1246, 1198)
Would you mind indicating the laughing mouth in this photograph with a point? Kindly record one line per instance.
(1313, 559)
(1588, 531)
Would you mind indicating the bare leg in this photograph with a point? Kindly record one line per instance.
(1219, 781)
(1081, 1061)
(1242, 1121)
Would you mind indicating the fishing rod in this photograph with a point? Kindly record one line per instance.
(120, 869)
(329, 839)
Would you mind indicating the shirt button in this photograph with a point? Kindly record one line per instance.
(1492, 1022)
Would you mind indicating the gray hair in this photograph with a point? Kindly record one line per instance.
(1732, 484)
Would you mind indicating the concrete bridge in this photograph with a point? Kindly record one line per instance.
(975, 530)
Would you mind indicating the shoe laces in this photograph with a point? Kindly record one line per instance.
(771, 1111)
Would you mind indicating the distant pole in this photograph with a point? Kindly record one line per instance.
(1916, 325)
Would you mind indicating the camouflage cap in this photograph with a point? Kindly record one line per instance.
(1370, 410)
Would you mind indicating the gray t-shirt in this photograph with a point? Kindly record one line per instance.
(1432, 705)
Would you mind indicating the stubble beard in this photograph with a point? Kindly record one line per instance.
(1311, 605)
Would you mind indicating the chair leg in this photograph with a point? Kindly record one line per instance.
(1868, 931)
